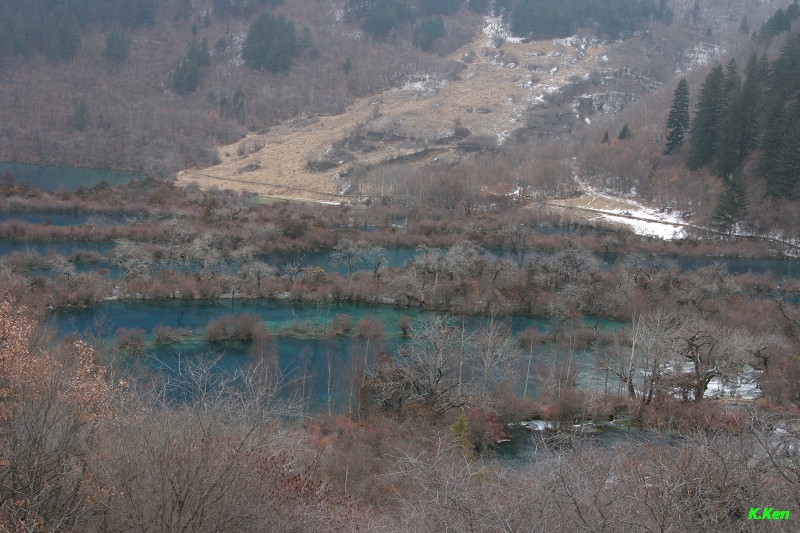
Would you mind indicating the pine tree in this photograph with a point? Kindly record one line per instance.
(117, 47)
(744, 27)
(704, 129)
(678, 119)
(427, 31)
(270, 44)
(732, 79)
(6, 41)
(186, 77)
(81, 117)
(695, 13)
(605, 139)
(624, 133)
(733, 203)
(199, 54)
(183, 9)
(781, 158)
(730, 123)
(19, 39)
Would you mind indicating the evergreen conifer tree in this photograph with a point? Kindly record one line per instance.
(183, 9)
(18, 39)
(695, 13)
(704, 129)
(186, 76)
(605, 139)
(117, 47)
(678, 119)
(732, 78)
(733, 203)
(81, 117)
(624, 133)
(270, 44)
(781, 159)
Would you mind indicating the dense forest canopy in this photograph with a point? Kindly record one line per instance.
(54, 26)
(543, 19)
(270, 44)
(737, 114)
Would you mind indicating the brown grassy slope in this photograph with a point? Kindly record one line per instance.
(424, 109)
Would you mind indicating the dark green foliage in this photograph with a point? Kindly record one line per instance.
(270, 44)
(605, 139)
(779, 22)
(781, 141)
(733, 202)
(183, 9)
(624, 133)
(305, 44)
(733, 118)
(781, 160)
(222, 44)
(439, 7)
(347, 65)
(199, 54)
(427, 31)
(695, 14)
(739, 123)
(19, 40)
(664, 14)
(744, 27)
(53, 27)
(186, 77)
(6, 41)
(732, 78)
(386, 15)
(479, 6)
(306, 39)
(704, 130)
(81, 117)
(63, 35)
(678, 119)
(118, 47)
(543, 19)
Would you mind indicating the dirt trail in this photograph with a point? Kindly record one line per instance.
(491, 98)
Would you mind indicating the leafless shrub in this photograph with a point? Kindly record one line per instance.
(130, 340)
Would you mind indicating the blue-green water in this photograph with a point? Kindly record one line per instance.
(62, 178)
(298, 334)
(65, 248)
(61, 219)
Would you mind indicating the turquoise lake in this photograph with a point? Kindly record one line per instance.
(62, 178)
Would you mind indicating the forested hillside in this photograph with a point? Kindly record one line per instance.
(157, 86)
(165, 85)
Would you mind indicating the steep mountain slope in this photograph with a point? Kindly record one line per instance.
(493, 95)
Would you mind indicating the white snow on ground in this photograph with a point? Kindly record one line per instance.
(648, 228)
(494, 27)
(537, 425)
(421, 82)
(745, 385)
(655, 224)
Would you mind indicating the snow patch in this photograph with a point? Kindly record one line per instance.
(494, 27)
(647, 221)
(422, 83)
(238, 43)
